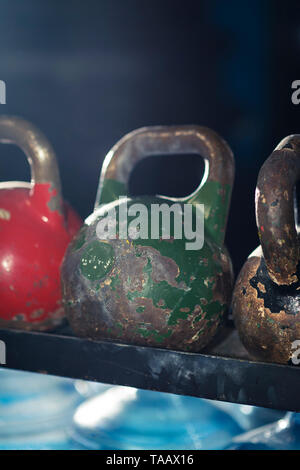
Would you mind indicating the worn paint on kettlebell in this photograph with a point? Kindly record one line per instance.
(97, 260)
(154, 292)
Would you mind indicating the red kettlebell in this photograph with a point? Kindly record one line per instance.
(36, 226)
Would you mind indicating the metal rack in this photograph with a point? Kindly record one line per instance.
(222, 372)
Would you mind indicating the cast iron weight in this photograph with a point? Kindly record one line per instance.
(36, 225)
(153, 292)
(266, 299)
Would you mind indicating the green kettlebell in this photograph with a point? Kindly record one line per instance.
(134, 274)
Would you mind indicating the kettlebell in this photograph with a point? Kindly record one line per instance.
(266, 298)
(153, 291)
(35, 227)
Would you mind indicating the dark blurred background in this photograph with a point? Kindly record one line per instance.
(88, 72)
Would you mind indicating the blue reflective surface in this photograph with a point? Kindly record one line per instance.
(283, 434)
(43, 412)
(35, 410)
(127, 418)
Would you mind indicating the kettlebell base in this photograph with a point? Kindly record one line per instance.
(88, 320)
(173, 345)
(263, 315)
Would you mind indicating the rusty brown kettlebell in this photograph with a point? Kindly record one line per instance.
(266, 299)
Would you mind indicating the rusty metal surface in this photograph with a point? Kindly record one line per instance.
(275, 211)
(153, 292)
(149, 296)
(39, 153)
(159, 140)
(266, 298)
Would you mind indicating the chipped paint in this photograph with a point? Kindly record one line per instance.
(159, 293)
(5, 214)
(97, 260)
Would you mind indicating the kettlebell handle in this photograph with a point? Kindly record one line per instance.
(275, 214)
(38, 150)
(164, 140)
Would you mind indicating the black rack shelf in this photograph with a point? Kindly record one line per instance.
(224, 372)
